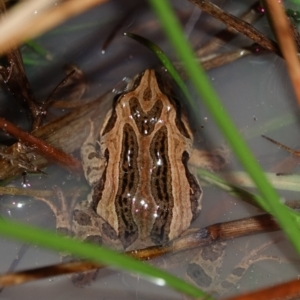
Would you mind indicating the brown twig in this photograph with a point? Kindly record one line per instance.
(15, 79)
(5, 190)
(67, 132)
(238, 24)
(225, 58)
(40, 146)
(57, 88)
(295, 152)
(284, 36)
(295, 33)
(73, 86)
(19, 25)
(193, 238)
(226, 35)
(217, 60)
(281, 291)
(18, 84)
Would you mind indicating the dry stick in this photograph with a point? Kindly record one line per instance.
(57, 88)
(295, 33)
(295, 152)
(8, 190)
(222, 59)
(15, 80)
(23, 12)
(239, 25)
(214, 61)
(45, 105)
(193, 238)
(13, 32)
(224, 36)
(284, 36)
(14, 76)
(78, 86)
(19, 86)
(280, 291)
(67, 132)
(40, 146)
(217, 60)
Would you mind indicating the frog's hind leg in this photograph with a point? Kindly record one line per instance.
(206, 266)
(254, 256)
(90, 227)
(82, 223)
(65, 225)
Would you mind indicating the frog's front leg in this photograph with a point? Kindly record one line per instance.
(93, 163)
(86, 226)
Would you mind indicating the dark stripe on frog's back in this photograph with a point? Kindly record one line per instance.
(99, 186)
(145, 121)
(195, 189)
(147, 95)
(167, 89)
(161, 187)
(128, 182)
(112, 120)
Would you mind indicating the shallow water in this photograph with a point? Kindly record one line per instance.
(255, 90)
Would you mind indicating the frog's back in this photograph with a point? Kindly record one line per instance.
(147, 193)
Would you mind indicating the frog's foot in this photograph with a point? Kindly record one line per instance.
(93, 164)
(209, 160)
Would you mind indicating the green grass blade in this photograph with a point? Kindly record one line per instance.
(37, 48)
(34, 62)
(237, 191)
(48, 239)
(288, 182)
(205, 90)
